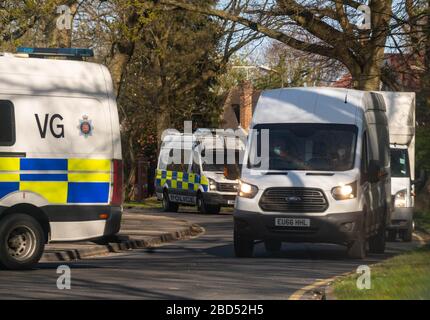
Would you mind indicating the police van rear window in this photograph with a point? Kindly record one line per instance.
(7, 123)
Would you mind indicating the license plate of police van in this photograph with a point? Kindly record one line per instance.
(292, 222)
(230, 202)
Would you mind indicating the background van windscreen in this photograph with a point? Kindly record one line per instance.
(7, 126)
(215, 161)
(319, 147)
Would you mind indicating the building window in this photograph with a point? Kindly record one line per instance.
(7, 123)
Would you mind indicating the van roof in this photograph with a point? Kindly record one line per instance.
(52, 77)
(310, 105)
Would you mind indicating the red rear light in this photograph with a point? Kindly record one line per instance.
(117, 193)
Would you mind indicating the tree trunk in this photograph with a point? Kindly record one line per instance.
(131, 180)
(119, 62)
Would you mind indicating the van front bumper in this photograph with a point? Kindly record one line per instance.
(401, 218)
(219, 199)
(339, 228)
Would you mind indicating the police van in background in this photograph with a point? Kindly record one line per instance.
(60, 153)
(199, 169)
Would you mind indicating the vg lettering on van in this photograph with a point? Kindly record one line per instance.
(57, 130)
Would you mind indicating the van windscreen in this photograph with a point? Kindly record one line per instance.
(216, 161)
(313, 147)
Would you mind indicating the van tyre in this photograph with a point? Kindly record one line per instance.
(205, 208)
(243, 246)
(406, 234)
(22, 242)
(392, 235)
(377, 242)
(273, 246)
(169, 206)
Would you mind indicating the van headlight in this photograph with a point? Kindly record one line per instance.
(212, 185)
(345, 191)
(247, 190)
(400, 199)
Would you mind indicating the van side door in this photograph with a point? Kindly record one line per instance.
(366, 187)
(9, 179)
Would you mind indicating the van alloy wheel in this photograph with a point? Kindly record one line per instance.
(21, 243)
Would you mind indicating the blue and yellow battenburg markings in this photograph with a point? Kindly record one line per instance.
(77, 180)
(181, 180)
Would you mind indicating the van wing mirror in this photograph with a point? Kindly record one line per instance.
(375, 171)
(420, 180)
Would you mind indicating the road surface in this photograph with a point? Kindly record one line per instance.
(200, 268)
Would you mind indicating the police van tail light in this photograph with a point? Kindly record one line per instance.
(117, 193)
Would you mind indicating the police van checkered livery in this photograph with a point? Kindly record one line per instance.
(60, 153)
(192, 171)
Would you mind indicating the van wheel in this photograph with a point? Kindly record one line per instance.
(392, 235)
(22, 242)
(205, 208)
(377, 242)
(169, 206)
(243, 246)
(273, 246)
(406, 234)
(357, 249)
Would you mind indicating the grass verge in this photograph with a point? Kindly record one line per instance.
(149, 203)
(404, 277)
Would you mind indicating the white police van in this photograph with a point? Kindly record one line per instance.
(60, 153)
(199, 169)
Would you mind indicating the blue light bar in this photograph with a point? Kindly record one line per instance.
(57, 52)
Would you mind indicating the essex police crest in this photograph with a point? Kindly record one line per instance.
(85, 127)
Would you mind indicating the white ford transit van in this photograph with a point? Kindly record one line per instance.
(60, 154)
(316, 169)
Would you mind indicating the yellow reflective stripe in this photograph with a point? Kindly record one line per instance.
(9, 177)
(163, 182)
(180, 176)
(169, 174)
(159, 173)
(204, 181)
(196, 186)
(185, 185)
(174, 184)
(53, 192)
(191, 178)
(89, 165)
(9, 164)
(89, 177)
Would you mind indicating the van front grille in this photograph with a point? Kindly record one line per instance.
(293, 200)
(227, 187)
